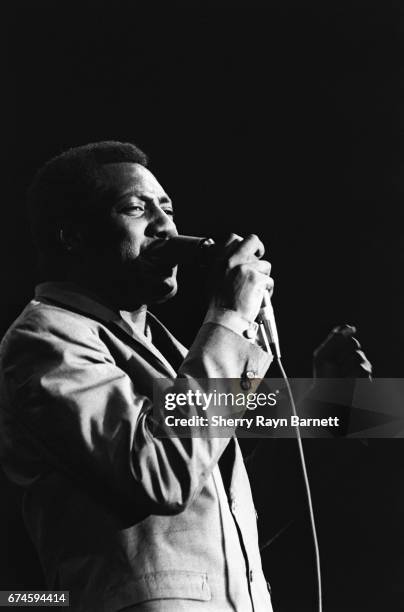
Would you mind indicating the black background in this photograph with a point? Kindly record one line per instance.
(278, 118)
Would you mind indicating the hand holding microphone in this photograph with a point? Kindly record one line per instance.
(242, 282)
(250, 288)
(242, 277)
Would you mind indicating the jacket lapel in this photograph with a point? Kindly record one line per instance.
(167, 343)
(66, 295)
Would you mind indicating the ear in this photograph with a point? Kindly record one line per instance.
(70, 238)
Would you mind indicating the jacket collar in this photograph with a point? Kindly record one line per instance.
(74, 297)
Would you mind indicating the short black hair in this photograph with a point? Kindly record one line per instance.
(67, 187)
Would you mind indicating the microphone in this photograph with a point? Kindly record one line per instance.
(177, 249)
(266, 318)
(203, 251)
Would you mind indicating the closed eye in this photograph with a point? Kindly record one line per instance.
(168, 211)
(133, 209)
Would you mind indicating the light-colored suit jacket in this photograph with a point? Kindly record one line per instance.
(120, 517)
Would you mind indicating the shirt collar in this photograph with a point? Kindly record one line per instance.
(78, 298)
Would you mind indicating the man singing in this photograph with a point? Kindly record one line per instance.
(121, 518)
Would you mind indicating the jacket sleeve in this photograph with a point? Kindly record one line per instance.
(68, 406)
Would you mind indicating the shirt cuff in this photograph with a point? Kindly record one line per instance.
(233, 321)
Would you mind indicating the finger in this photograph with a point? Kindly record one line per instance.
(231, 244)
(233, 238)
(256, 271)
(342, 335)
(266, 284)
(357, 365)
(270, 286)
(249, 249)
(346, 343)
(261, 265)
(337, 346)
(366, 370)
(355, 341)
(269, 283)
(345, 330)
(261, 281)
(364, 362)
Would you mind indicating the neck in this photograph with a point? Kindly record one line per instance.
(106, 294)
(136, 318)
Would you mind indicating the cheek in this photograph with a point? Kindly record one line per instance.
(126, 240)
(128, 247)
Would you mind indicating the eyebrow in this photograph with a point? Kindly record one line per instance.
(164, 199)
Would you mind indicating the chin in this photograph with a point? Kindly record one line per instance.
(145, 284)
(163, 292)
(159, 287)
(149, 291)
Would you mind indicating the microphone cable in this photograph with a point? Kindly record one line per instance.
(182, 246)
(271, 348)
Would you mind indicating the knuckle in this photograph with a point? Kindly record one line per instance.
(231, 262)
(266, 266)
(363, 359)
(252, 275)
(247, 271)
(345, 330)
(257, 242)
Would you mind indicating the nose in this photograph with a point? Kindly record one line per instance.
(161, 225)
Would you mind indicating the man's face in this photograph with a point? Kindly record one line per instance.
(140, 214)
